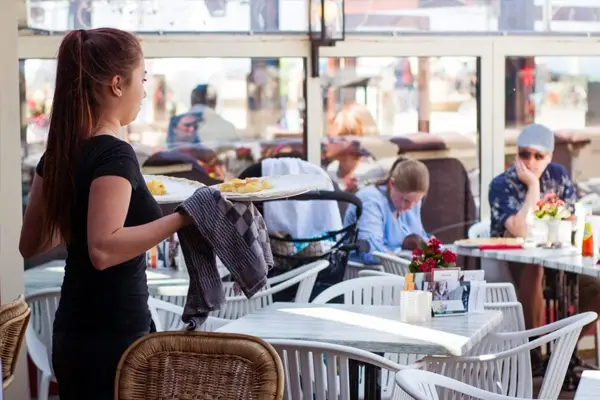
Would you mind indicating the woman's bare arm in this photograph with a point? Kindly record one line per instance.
(109, 242)
(33, 242)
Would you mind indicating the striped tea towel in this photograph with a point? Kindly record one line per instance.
(234, 232)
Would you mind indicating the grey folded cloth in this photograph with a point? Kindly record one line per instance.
(237, 234)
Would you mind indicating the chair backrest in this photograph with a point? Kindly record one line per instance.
(480, 229)
(238, 306)
(424, 385)
(452, 187)
(505, 358)
(392, 264)
(43, 304)
(367, 273)
(320, 371)
(14, 317)
(376, 291)
(502, 292)
(199, 365)
(512, 317)
(502, 297)
(167, 317)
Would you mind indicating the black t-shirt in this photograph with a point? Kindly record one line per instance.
(114, 300)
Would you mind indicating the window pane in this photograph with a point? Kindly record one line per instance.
(424, 108)
(562, 93)
(471, 15)
(256, 104)
(170, 15)
(291, 15)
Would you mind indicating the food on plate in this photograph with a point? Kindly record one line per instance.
(156, 187)
(248, 185)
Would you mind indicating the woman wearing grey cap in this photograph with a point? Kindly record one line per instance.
(513, 195)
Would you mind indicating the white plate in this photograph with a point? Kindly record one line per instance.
(284, 186)
(178, 189)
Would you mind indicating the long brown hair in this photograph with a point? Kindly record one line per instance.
(409, 176)
(87, 62)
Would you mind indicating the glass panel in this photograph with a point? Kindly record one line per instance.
(425, 108)
(170, 15)
(291, 15)
(562, 93)
(256, 104)
(472, 15)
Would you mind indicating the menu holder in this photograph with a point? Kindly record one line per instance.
(453, 291)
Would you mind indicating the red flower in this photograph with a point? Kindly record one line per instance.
(418, 252)
(427, 265)
(434, 243)
(448, 257)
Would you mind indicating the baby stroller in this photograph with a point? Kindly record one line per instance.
(290, 253)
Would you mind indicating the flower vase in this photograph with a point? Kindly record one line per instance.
(553, 226)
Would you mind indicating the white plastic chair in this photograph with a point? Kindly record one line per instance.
(369, 273)
(375, 290)
(177, 294)
(372, 291)
(354, 268)
(480, 229)
(320, 371)
(167, 317)
(393, 264)
(500, 292)
(495, 271)
(508, 372)
(238, 306)
(424, 385)
(38, 336)
(502, 297)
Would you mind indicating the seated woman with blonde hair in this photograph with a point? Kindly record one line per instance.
(351, 168)
(391, 217)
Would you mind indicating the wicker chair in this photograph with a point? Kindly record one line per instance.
(14, 317)
(199, 365)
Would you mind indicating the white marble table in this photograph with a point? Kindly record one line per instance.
(371, 328)
(567, 260)
(160, 281)
(589, 386)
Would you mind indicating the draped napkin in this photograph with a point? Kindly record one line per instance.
(234, 232)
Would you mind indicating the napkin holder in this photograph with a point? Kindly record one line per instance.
(415, 306)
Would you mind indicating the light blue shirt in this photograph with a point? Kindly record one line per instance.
(379, 226)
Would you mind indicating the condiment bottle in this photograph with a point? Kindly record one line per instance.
(587, 245)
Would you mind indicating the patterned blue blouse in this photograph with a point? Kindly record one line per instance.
(507, 193)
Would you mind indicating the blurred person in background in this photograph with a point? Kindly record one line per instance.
(391, 215)
(201, 124)
(351, 167)
(513, 195)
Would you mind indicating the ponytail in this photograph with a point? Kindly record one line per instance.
(71, 121)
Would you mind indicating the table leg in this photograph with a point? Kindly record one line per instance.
(354, 378)
(372, 382)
